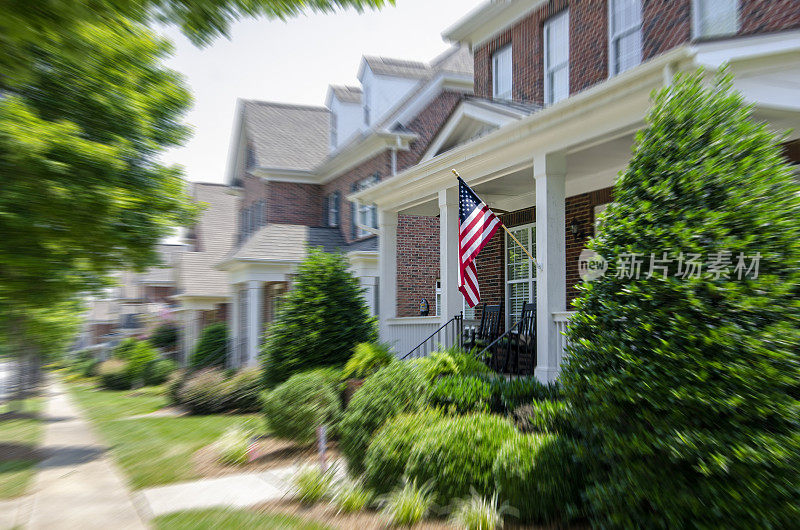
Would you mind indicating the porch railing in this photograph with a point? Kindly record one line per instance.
(450, 333)
(561, 319)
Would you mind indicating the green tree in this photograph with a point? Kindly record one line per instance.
(320, 320)
(685, 389)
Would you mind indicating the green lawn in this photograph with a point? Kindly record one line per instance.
(16, 474)
(225, 518)
(151, 451)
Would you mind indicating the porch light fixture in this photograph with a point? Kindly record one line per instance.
(575, 228)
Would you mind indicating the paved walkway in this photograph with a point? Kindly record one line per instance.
(236, 491)
(77, 486)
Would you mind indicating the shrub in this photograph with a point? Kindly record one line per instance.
(368, 358)
(87, 368)
(684, 387)
(243, 391)
(351, 496)
(124, 348)
(233, 446)
(312, 485)
(538, 475)
(320, 320)
(457, 455)
(387, 456)
(115, 375)
(452, 361)
(157, 372)
(408, 505)
(524, 390)
(174, 384)
(543, 417)
(140, 355)
(204, 392)
(457, 394)
(212, 347)
(296, 408)
(165, 336)
(397, 388)
(478, 513)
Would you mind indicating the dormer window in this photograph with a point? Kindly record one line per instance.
(502, 73)
(625, 35)
(556, 58)
(714, 18)
(334, 131)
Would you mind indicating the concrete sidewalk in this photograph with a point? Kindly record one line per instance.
(77, 485)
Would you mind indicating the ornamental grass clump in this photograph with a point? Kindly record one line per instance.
(232, 447)
(478, 513)
(684, 386)
(351, 496)
(312, 485)
(408, 505)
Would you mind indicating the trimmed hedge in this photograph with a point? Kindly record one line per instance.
(243, 390)
(397, 388)
(305, 401)
(462, 395)
(115, 375)
(212, 347)
(157, 372)
(539, 475)
(204, 392)
(387, 456)
(457, 455)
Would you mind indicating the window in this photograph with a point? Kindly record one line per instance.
(556, 58)
(334, 131)
(468, 312)
(366, 105)
(332, 207)
(712, 18)
(438, 297)
(624, 35)
(502, 76)
(364, 214)
(520, 272)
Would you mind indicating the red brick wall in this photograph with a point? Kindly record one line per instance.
(417, 263)
(665, 25)
(296, 204)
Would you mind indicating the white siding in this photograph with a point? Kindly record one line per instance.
(383, 93)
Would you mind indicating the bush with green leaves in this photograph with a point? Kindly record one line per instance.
(387, 456)
(297, 407)
(540, 476)
(124, 348)
(368, 358)
(115, 374)
(320, 320)
(139, 356)
(204, 392)
(461, 395)
(397, 388)
(523, 390)
(165, 336)
(157, 372)
(409, 504)
(243, 390)
(452, 361)
(212, 347)
(544, 417)
(457, 455)
(684, 387)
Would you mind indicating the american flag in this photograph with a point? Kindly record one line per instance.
(476, 226)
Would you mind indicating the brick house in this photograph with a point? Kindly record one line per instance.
(561, 87)
(293, 167)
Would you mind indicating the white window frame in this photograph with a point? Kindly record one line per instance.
(548, 68)
(696, 22)
(333, 209)
(531, 279)
(438, 297)
(467, 312)
(613, 38)
(507, 49)
(365, 216)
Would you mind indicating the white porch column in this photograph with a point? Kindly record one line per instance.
(549, 172)
(448, 253)
(255, 293)
(387, 267)
(233, 328)
(189, 319)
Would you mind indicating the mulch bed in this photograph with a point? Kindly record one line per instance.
(10, 451)
(272, 453)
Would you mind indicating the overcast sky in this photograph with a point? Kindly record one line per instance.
(294, 62)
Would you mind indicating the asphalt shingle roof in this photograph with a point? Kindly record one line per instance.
(397, 67)
(215, 232)
(286, 136)
(347, 94)
(283, 242)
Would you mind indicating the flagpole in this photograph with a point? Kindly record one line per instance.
(507, 231)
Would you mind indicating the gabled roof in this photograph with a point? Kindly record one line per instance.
(215, 232)
(396, 67)
(281, 136)
(456, 60)
(347, 94)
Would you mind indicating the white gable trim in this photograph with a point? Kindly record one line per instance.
(489, 19)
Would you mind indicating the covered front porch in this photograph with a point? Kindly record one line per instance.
(548, 175)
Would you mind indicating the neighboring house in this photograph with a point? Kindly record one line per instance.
(561, 87)
(136, 305)
(202, 291)
(295, 165)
